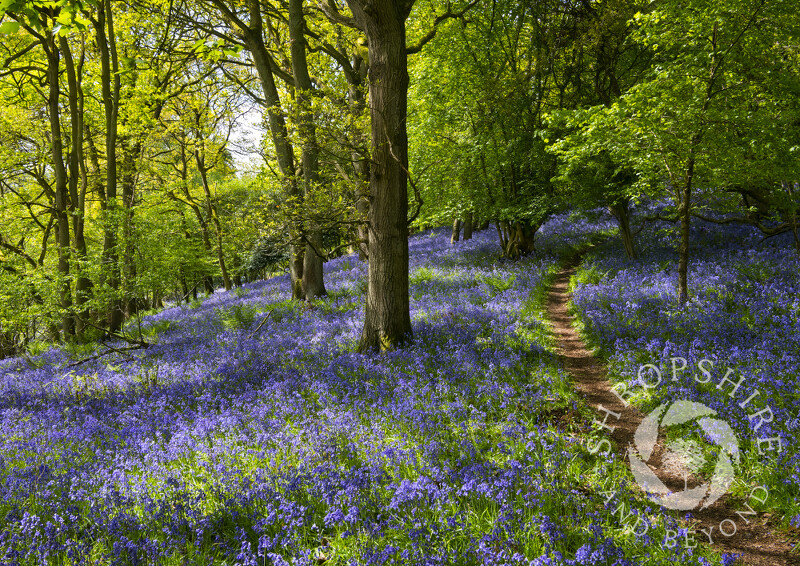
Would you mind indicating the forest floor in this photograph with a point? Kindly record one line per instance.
(251, 431)
(756, 542)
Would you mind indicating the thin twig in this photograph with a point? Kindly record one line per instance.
(110, 350)
(263, 322)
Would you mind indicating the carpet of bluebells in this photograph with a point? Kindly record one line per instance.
(252, 432)
(743, 316)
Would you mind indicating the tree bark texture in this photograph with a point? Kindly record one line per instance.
(684, 212)
(110, 80)
(387, 320)
(254, 40)
(77, 172)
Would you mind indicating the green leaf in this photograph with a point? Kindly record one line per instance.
(7, 28)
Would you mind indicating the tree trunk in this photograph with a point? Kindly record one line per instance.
(517, 239)
(211, 210)
(620, 211)
(77, 172)
(83, 286)
(502, 235)
(387, 320)
(61, 186)
(313, 283)
(205, 233)
(468, 226)
(684, 212)
(793, 214)
(131, 299)
(110, 82)
(360, 155)
(254, 40)
(456, 233)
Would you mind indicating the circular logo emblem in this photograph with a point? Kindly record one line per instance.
(687, 453)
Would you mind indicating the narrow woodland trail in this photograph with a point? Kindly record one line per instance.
(754, 540)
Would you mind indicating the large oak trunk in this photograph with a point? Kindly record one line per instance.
(387, 322)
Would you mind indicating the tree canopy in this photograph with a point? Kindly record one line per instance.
(122, 182)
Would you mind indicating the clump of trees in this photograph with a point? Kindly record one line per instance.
(121, 125)
(592, 104)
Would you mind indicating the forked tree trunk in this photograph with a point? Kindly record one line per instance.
(621, 213)
(387, 321)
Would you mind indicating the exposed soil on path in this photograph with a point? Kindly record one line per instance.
(754, 540)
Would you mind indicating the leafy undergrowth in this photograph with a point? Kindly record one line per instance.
(743, 317)
(242, 439)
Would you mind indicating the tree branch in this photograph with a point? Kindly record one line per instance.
(439, 19)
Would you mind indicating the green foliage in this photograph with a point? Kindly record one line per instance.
(710, 98)
(269, 253)
(239, 316)
(484, 154)
(421, 275)
(498, 282)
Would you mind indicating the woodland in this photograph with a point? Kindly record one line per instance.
(274, 274)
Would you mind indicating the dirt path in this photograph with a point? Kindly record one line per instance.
(755, 540)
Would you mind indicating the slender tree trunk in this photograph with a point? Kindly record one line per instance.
(132, 299)
(61, 186)
(83, 286)
(360, 155)
(313, 284)
(684, 212)
(793, 215)
(456, 234)
(468, 226)
(387, 321)
(205, 233)
(502, 235)
(77, 172)
(253, 38)
(211, 209)
(110, 83)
